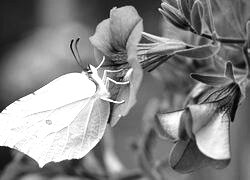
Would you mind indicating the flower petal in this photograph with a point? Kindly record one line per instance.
(102, 38)
(185, 157)
(201, 115)
(213, 139)
(168, 124)
(134, 75)
(127, 93)
(122, 22)
(133, 39)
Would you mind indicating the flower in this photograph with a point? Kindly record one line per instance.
(116, 38)
(201, 130)
(158, 51)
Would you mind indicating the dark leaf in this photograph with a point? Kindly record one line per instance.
(211, 80)
(190, 3)
(196, 16)
(185, 9)
(248, 33)
(171, 2)
(200, 52)
(174, 16)
(229, 71)
(220, 64)
(232, 13)
(208, 15)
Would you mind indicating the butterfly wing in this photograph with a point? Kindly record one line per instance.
(57, 122)
(63, 90)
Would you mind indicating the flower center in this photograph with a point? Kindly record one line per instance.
(119, 57)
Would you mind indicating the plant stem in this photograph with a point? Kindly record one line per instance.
(225, 39)
(247, 60)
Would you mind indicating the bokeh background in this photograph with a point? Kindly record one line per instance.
(34, 49)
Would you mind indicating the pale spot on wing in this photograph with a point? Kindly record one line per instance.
(48, 121)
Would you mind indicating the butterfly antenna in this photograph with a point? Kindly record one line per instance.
(74, 54)
(72, 50)
(102, 62)
(77, 52)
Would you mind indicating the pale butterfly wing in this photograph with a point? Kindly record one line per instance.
(63, 90)
(55, 122)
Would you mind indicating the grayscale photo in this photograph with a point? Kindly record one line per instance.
(124, 90)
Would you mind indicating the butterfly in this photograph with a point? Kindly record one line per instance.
(64, 119)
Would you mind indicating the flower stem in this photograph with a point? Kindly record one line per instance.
(247, 60)
(225, 39)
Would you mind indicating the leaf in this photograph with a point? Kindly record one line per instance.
(157, 39)
(200, 52)
(185, 8)
(231, 13)
(185, 157)
(229, 71)
(196, 16)
(208, 15)
(160, 45)
(171, 2)
(63, 120)
(211, 80)
(248, 33)
(174, 16)
(220, 64)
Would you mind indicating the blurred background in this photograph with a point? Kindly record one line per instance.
(34, 49)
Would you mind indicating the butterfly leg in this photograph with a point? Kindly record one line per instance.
(116, 82)
(108, 79)
(112, 101)
(105, 72)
